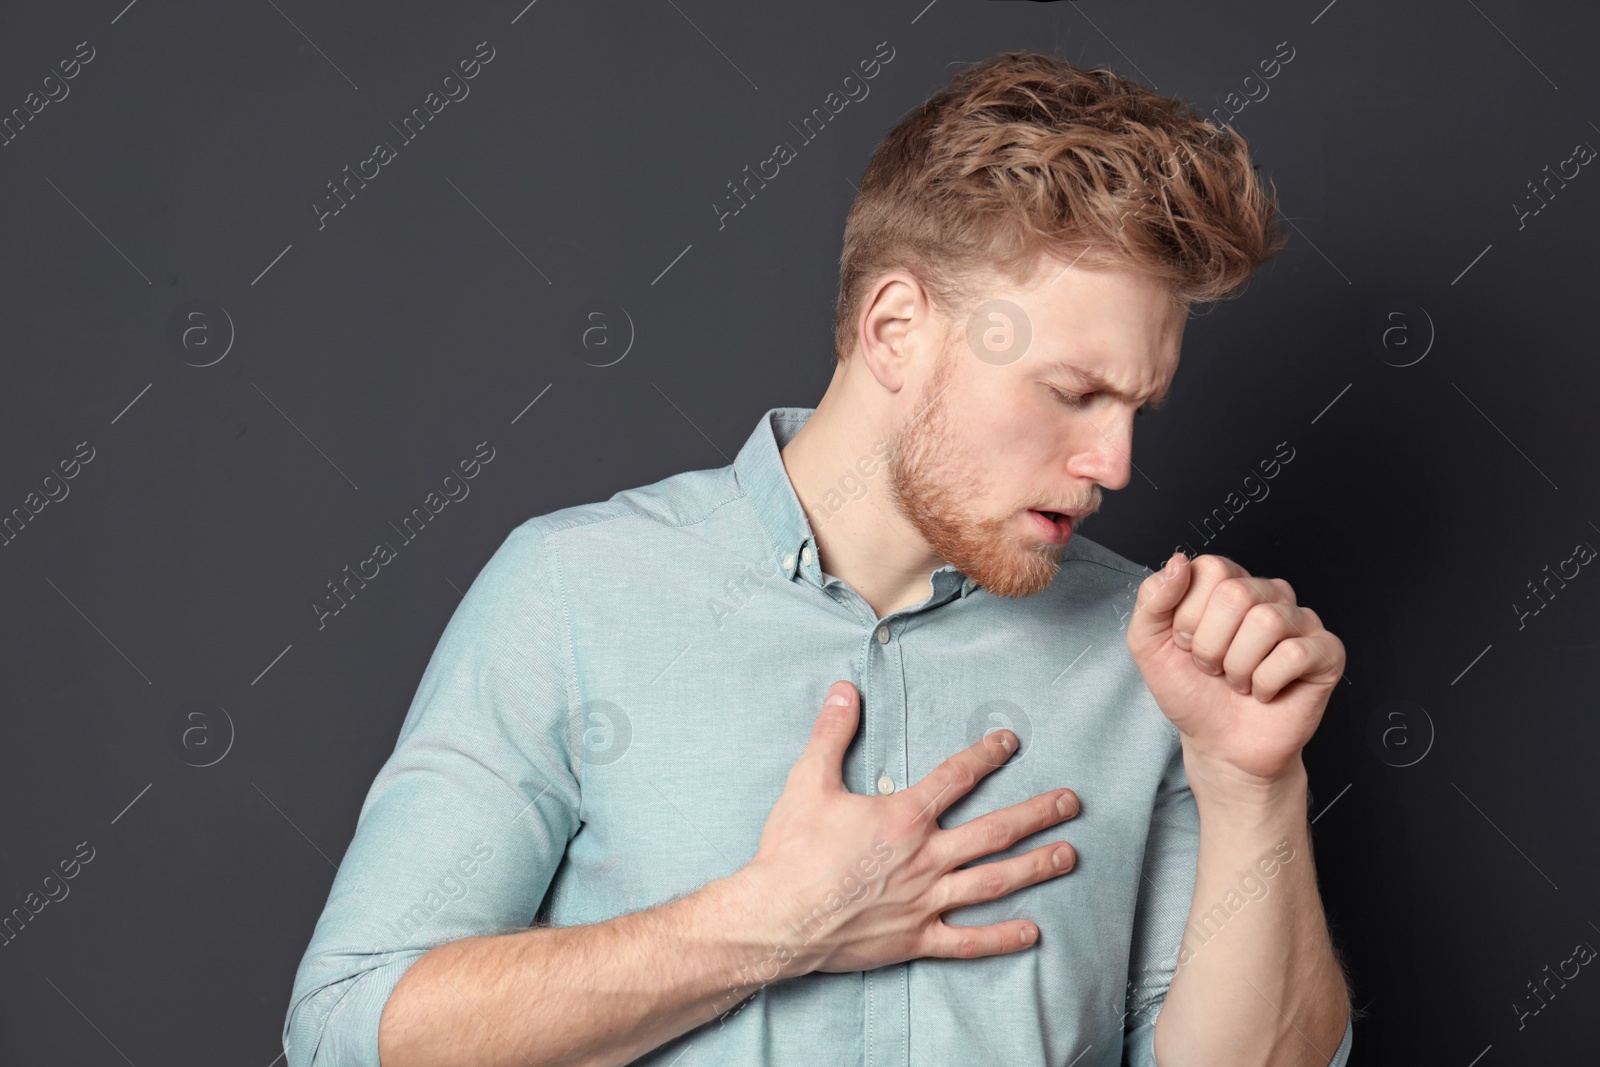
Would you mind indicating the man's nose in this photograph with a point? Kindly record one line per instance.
(1104, 450)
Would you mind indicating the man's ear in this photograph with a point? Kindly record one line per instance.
(898, 326)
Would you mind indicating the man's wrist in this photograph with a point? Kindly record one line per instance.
(1223, 788)
(744, 914)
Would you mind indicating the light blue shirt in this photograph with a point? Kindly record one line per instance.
(612, 712)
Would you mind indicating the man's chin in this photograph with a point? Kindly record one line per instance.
(1022, 578)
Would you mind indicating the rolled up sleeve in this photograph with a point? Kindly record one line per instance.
(1139, 1046)
(465, 824)
(1172, 857)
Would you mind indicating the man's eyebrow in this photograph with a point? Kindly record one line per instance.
(1100, 383)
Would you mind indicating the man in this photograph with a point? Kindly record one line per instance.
(618, 738)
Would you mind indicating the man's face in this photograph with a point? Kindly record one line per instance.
(988, 440)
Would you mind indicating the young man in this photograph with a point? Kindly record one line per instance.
(618, 737)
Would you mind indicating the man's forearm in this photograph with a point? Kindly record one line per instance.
(595, 996)
(1257, 981)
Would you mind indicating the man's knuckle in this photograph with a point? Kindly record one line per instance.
(1269, 617)
(1234, 593)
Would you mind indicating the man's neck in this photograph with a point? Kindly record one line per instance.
(863, 540)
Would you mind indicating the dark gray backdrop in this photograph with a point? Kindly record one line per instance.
(263, 389)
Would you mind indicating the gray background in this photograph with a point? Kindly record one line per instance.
(159, 616)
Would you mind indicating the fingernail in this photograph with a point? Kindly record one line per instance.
(1058, 858)
(1064, 804)
(1183, 637)
(837, 699)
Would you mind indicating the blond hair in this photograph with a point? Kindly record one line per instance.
(1025, 153)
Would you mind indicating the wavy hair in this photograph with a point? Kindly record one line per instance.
(1025, 153)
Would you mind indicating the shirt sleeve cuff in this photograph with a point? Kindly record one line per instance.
(1342, 1053)
(348, 1036)
(1139, 1046)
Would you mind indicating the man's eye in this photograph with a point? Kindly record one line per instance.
(1073, 400)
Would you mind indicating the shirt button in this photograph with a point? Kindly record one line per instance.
(883, 635)
(805, 554)
(788, 561)
(885, 784)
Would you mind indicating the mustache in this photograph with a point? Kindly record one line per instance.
(1080, 505)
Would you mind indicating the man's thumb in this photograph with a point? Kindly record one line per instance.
(1158, 597)
(835, 726)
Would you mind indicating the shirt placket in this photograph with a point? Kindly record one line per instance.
(887, 989)
(880, 770)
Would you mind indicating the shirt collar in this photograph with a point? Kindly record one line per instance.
(761, 475)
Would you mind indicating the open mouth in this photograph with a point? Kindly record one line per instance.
(1055, 527)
